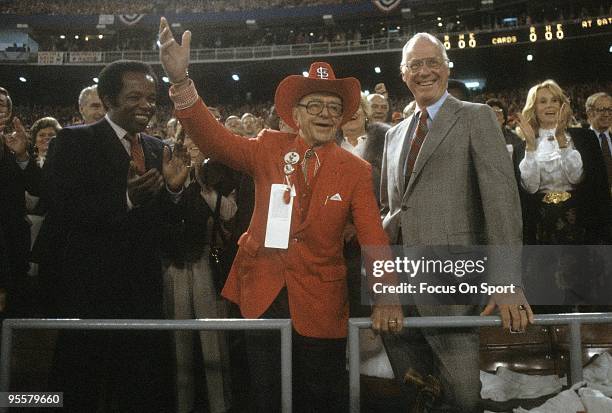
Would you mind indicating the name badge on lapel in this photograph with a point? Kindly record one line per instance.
(279, 217)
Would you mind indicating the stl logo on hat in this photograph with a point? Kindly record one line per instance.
(322, 72)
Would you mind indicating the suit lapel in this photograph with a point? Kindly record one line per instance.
(151, 156)
(117, 157)
(399, 150)
(442, 124)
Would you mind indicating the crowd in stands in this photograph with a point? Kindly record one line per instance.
(131, 40)
(341, 33)
(494, 18)
(156, 6)
(513, 98)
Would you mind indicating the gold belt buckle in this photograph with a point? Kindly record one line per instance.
(556, 197)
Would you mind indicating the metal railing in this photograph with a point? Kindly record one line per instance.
(284, 325)
(574, 320)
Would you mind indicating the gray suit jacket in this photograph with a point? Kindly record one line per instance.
(462, 190)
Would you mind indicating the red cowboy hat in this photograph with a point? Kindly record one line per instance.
(321, 78)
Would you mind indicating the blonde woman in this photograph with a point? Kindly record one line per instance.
(561, 173)
(354, 131)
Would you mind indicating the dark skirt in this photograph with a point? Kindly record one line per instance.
(558, 223)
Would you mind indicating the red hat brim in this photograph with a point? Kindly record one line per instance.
(293, 88)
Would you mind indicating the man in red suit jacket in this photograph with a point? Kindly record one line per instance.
(293, 268)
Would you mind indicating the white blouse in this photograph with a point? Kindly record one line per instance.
(550, 168)
(357, 149)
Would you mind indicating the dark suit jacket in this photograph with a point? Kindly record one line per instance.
(14, 229)
(185, 241)
(106, 257)
(592, 194)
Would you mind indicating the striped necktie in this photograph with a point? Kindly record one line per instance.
(416, 144)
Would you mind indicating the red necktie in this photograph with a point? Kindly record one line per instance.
(136, 153)
(416, 144)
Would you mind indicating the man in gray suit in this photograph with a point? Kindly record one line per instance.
(447, 180)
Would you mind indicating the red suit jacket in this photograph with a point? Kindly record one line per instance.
(312, 267)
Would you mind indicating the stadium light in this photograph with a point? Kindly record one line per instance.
(610, 49)
(62, 36)
(530, 57)
(22, 79)
(76, 36)
(440, 24)
(439, 18)
(235, 77)
(100, 36)
(165, 79)
(86, 38)
(472, 85)
(305, 73)
(377, 69)
(451, 65)
(95, 79)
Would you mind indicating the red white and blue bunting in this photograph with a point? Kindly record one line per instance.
(386, 5)
(130, 19)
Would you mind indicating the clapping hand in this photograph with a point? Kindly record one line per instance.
(175, 166)
(141, 189)
(563, 120)
(18, 141)
(528, 132)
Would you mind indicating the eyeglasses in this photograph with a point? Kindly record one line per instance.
(315, 107)
(416, 65)
(603, 110)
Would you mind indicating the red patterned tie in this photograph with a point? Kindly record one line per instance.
(416, 144)
(136, 153)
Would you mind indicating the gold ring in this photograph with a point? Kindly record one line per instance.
(522, 308)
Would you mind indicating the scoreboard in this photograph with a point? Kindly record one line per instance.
(548, 32)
